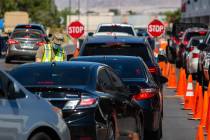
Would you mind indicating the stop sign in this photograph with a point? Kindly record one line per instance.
(76, 29)
(156, 28)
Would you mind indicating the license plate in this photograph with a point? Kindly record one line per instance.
(30, 46)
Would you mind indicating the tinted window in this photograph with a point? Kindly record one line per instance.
(128, 49)
(104, 83)
(191, 34)
(29, 27)
(50, 76)
(114, 28)
(26, 34)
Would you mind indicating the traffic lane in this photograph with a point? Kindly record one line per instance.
(13, 64)
(176, 125)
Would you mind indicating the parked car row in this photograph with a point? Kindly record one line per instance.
(114, 89)
(191, 51)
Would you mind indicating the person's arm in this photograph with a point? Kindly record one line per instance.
(39, 54)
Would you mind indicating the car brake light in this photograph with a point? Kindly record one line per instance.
(145, 94)
(153, 70)
(195, 55)
(12, 41)
(185, 42)
(87, 102)
(40, 43)
(191, 49)
(202, 33)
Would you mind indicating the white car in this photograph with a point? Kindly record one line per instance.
(192, 55)
(24, 116)
(116, 28)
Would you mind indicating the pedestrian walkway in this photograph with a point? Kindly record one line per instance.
(176, 126)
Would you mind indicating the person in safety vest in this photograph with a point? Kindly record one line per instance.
(52, 51)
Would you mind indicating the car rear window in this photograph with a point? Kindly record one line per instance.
(128, 49)
(47, 76)
(113, 28)
(127, 69)
(27, 34)
(29, 27)
(192, 34)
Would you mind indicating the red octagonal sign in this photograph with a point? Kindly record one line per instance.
(76, 29)
(156, 28)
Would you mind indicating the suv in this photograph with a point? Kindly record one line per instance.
(188, 34)
(122, 45)
(116, 28)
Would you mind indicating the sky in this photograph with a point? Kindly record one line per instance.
(124, 5)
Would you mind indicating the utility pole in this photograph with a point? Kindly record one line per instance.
(79, 10)
(87, 15)
(69, 11)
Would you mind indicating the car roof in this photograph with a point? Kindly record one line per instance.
(40, 25)
(108, 57)
(88, 65)
(123, 39)
(196, 29)
(197, 37)
(116, 24)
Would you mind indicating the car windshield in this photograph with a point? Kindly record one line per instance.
(27, 34)
(129, 49)
(122, 29)
(63, 76)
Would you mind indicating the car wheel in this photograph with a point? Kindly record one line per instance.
(155, 135)
(7, 60)
(40, 136)
(111, 131)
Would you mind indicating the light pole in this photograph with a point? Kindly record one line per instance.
(69, 11)
(78, 9)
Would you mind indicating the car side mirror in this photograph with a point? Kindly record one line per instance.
(202, 46)
(161, 58)
(163, 79)
(13, 91)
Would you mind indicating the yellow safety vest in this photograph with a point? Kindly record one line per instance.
(59, 55)
(47, 57)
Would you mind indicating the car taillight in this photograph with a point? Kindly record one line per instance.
(40, 43)
(202, 32)
(145, 94)
(195, 55)
(185, 42)
(87, 102)
(12, 41)
(191, 49)
(153, 70)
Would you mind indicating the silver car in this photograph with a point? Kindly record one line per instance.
(24, 116)
(23, 44)
(192, 54)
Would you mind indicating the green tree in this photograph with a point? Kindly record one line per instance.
(172, 17)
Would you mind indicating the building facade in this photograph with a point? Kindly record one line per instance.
(196, 11)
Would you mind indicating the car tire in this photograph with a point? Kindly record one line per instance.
(7, 60)
(40, 136)
(155, 135)
(111, 131)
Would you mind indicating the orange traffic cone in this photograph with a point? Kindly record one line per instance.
(200, 134)
(204, 110)
(162, 67)
(198, 105)
(208, 110)
(181, 83)
(195, 96)
(172, 77)
(208, 133)
(188, 100)
(166, 74)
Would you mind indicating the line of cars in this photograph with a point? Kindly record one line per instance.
(112, 90)
(188, 48)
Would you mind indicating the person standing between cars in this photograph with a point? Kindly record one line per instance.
(52, 51)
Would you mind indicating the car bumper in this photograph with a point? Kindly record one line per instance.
(13, 52)
(193, 66)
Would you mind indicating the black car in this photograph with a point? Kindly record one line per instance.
(122, 45)
(135, 75)
(94, 101)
